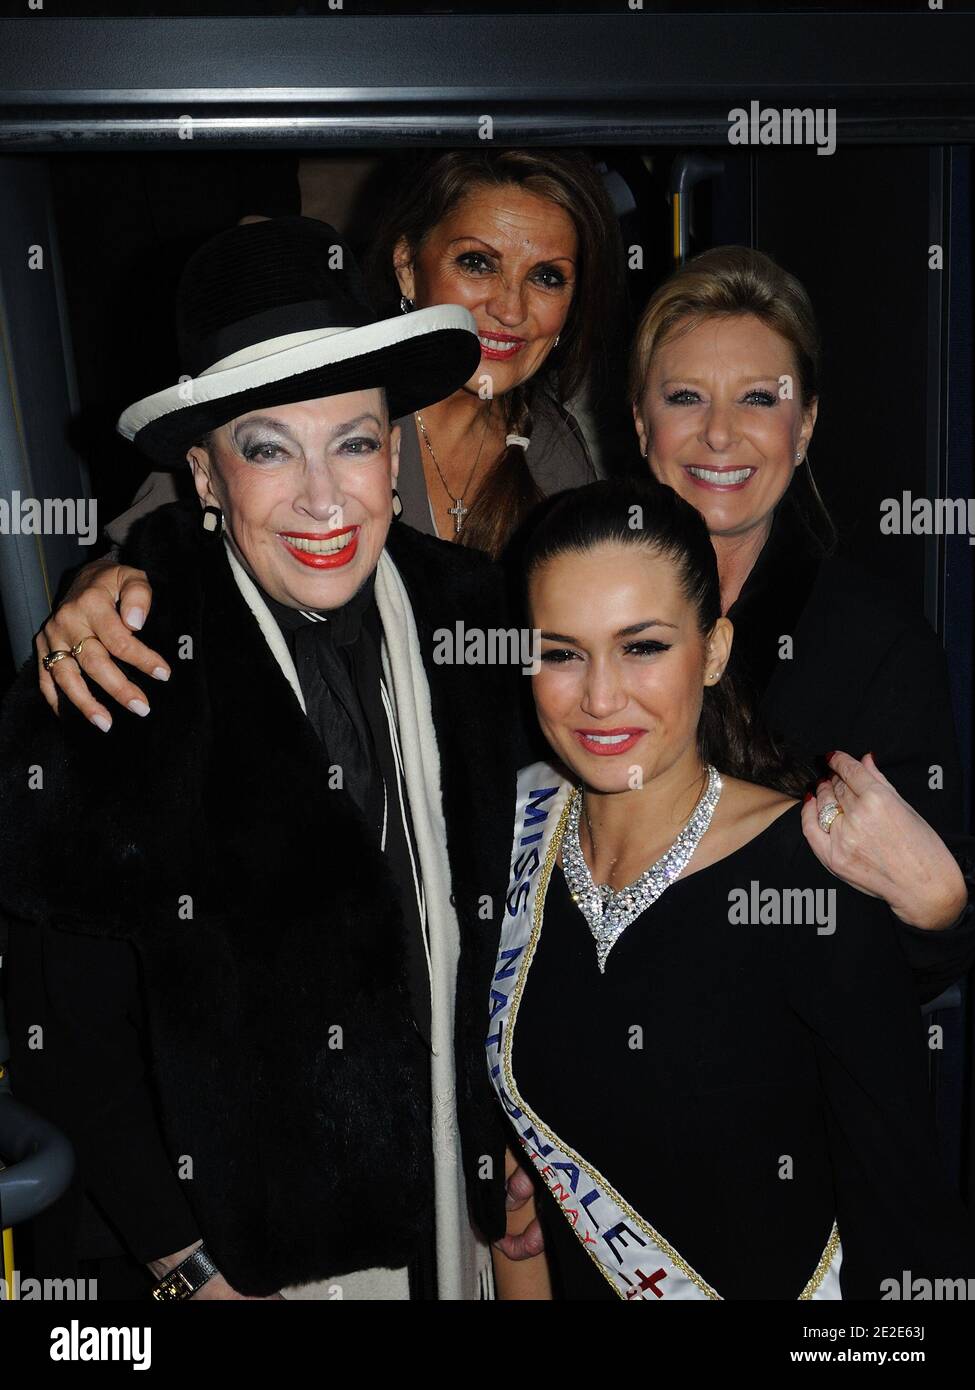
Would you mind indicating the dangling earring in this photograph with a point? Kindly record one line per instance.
(212, 520)
(556, 343)
(405, 305)
(397, 504)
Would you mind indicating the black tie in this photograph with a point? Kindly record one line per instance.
(333, 651)
(333, 706)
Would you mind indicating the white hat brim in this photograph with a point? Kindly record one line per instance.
(276, 359)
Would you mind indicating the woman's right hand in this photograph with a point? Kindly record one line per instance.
(92, 606)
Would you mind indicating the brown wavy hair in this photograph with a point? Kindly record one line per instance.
(429, 190)
(725, 282)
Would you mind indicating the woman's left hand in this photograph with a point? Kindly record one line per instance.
(519, 1190)
(881, 846)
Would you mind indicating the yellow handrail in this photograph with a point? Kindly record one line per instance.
(8, 1260)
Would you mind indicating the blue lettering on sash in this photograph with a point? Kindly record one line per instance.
(620, 1232)
(526, 865)
(529, 860)
(586, 1202)
(522, 891)
(509, 956)
(538, 1144)
(498, 1002)
(513, 1110)
(571, 1172)
(533, 810)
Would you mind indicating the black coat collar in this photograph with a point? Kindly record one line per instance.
(772, 599)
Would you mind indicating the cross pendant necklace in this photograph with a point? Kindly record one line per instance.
(458, 511)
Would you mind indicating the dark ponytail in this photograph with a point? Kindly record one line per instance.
(642, 512)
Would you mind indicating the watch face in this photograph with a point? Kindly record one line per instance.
(174, 1287)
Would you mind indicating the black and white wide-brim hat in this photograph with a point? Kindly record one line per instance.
(274, 312)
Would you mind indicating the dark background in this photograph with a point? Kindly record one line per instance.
(121, 208)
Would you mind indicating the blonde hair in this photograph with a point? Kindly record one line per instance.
(724, 282)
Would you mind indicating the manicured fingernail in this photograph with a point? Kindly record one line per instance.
(138, 707)
(102, 722)
(831, 754)
(160, 673)
(135, 617)
(808, 797)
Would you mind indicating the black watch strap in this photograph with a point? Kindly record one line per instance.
(188, 1276)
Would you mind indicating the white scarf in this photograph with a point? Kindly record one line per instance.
(463, 1260)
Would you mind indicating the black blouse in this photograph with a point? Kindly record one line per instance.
(779, 1083)
(860, 672)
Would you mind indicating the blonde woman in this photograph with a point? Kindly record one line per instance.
(724, 385)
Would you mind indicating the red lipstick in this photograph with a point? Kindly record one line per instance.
(501, 354)
(625, 739)
(322, 560)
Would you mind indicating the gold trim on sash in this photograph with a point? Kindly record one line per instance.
(594, 1175)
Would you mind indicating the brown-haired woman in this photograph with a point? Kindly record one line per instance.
(724, 387)
(527, 241)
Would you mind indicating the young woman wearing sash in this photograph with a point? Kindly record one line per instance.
(709, 1048)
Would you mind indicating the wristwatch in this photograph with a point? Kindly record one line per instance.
(185, 1278)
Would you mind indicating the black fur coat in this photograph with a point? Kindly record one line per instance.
(264, 917)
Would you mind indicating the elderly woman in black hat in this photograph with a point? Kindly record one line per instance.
(528, 242)
(243, 927)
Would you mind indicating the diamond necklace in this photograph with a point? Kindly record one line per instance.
(610, 911)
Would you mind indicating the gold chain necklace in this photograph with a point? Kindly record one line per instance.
(458, 511)
(592, 841)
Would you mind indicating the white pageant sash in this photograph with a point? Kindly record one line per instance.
(634, 1258)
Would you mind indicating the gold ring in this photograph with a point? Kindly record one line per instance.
(828, 814)
(53, 658)
(77, 648)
